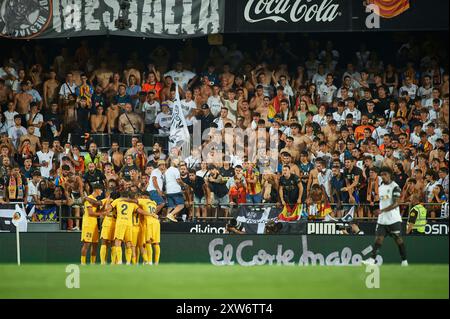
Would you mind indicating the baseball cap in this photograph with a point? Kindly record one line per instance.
(161, 162)
(205, 106)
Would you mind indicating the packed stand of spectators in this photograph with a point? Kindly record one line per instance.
(338, 121)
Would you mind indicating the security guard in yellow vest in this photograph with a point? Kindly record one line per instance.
(417, 219)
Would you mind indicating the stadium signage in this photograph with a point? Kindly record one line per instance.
(208, 229)
(221, 255)
(436, 229)
(334, 15)
(149, 18)
(24, 19)
(323, 228)
(291, 11)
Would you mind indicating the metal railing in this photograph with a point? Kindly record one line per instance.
(64, 213)
(104, 140)
(404, 209)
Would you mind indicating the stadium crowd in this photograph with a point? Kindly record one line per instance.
(338, 121)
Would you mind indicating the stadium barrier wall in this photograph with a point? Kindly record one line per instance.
(234, 249)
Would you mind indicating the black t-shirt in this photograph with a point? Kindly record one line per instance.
(83, 117)
(197, 186)
(127, 168)
(219, 189)
(400, 179)
(372, 116)
(381, 106)
(226, 173)
(56, 121)
(362, 105)
(290, 188)
(185, 180)
(350, 175)
(206, 121)
(94, 178)
(27, 173)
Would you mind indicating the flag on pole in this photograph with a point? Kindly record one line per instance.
(19, 218)
(179, 134)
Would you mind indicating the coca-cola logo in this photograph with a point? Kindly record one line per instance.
(291, 10)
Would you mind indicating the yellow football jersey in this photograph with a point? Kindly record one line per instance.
(89, 220)
(124, 211)
(147, 206)
(108, 220)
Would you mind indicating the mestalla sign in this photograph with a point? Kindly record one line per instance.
(27, 19)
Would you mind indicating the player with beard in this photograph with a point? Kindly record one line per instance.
(389, 218)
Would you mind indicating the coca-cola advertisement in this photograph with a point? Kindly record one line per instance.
(293, 15)
(335, 15)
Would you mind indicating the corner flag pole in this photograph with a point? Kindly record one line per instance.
(18, 216)
(18, 245)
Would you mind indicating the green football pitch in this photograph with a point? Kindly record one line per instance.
(189, 281)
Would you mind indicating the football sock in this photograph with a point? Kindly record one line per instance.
(93, 259)
(118, 255)
(103, 252)
(144, 257)
(401, 248)
(138, 254)
(113, 254)
(157, 250)
(149, 250)
(375, 248)
(83, 260)
(128, 254)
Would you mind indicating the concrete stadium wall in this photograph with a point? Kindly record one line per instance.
(232, 249)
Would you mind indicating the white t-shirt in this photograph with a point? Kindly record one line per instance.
(429, 190)
(324, 179)
(321, 120)
(387, 194)
(32, 190)
(414, 139)
(215, 104)
(4, 74)
(9, 116)
(327, 93)
(182, 78)
(172, 186)
(36, 120)
(378, 134)
(424, 93)
(339, 118)
(45, 157)
(187, 108)
(412, 90)
(159, 180)
(163, 120)
(356, 115)
(150, 111)
(15, 133)
(318, 79)
(67, 89)
(232, 109)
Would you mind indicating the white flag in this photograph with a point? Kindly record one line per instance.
(19, 218)
(179, 133)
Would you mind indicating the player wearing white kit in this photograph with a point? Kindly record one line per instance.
(389, 219)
